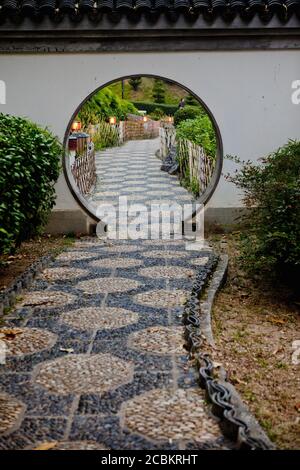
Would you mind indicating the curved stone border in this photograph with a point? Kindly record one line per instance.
(23, 281)
(236, 421)
(207, 300)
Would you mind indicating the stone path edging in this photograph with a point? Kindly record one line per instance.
(206, 304)
(9, 295)
(237, 423)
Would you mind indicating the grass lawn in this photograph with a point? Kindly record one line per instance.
(173, 95)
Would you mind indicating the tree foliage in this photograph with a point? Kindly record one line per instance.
(135, 83)
(191, 100)
(102, 105)
(159, 91)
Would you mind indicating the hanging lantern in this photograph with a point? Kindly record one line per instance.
(73, 143)
(145, 119)
(76, 126)
(112, 120)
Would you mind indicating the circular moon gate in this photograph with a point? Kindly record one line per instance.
(202, 199)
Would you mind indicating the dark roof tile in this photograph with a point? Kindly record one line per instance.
(227, 9)
(143, 4)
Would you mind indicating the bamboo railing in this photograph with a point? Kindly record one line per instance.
(84, 170)
(167, 135)
(194, 164)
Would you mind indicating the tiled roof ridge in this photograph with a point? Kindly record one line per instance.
(56, 10)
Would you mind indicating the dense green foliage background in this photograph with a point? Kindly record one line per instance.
(200, 131)
(104, 104)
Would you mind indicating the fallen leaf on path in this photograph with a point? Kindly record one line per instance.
(217, 364)
(67, 350)
(276, 351)
(277, 321)
(10, 333)
(46, 446)
(237, 380)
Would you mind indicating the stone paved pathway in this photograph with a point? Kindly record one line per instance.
(95, 356)
(133, 170)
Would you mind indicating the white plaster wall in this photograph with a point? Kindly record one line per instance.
(248, 92)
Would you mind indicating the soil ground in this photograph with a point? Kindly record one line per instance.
(255, 324)
(30, 251)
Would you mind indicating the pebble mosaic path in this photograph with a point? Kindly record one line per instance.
(133, 170)
(95, 351)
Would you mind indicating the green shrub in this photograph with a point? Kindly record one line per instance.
(103, 105)
(272, 191)
(157, 114)
(149, 107)
(29, 161)
(188, 112)
(200, 131)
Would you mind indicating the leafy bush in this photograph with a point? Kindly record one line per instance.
(200, 131)
(102, 105)
(188, 112)
(149, 107)
(157, 114)
(29, 160)
(272, 191)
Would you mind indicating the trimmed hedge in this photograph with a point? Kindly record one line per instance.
(168, 109)
(188, 112)
(29, 161)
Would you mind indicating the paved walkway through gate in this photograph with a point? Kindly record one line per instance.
(95, 349)
(133, 170)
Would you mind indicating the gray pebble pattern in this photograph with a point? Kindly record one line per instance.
(95, 378)
(133, 170)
